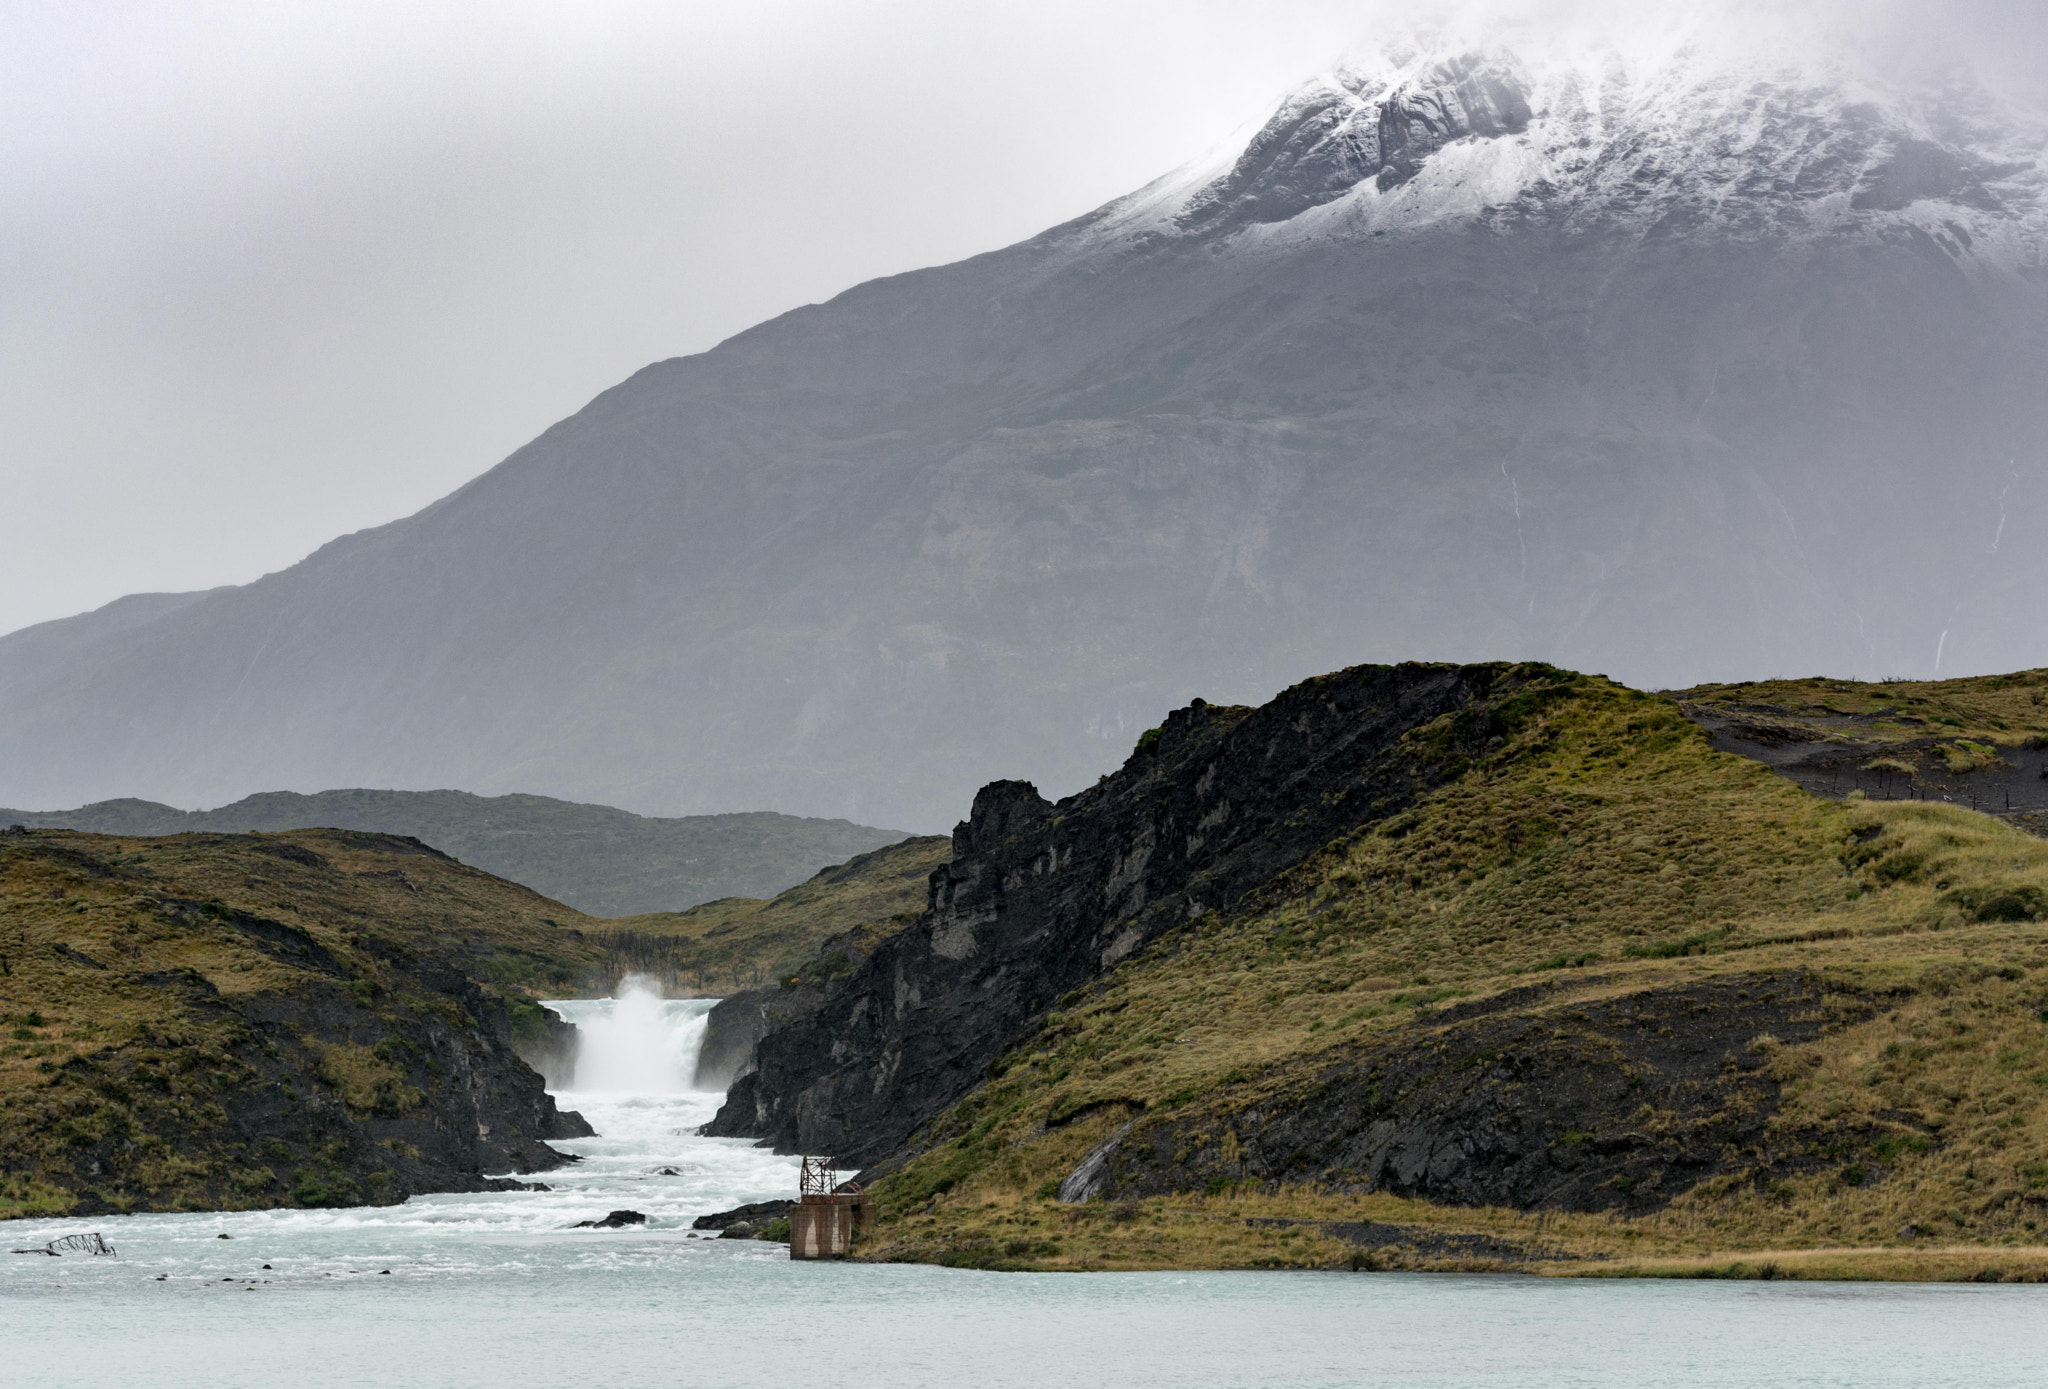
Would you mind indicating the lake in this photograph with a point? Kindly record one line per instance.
(495, 1290)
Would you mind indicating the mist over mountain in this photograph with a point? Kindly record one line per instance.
(1702, 356)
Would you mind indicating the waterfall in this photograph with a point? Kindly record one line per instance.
(637, 1042)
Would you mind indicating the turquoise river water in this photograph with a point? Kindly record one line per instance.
(494, 1290)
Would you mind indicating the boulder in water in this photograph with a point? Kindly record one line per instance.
(617, 1220)
(757, 1214)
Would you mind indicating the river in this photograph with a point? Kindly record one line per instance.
(495, 1290)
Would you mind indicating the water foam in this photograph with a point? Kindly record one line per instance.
(493, 1287)
(637, 1043)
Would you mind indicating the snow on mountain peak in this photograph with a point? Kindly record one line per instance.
(1764, 121)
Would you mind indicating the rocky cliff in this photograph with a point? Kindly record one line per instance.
(1458, 967)
(1040, 898)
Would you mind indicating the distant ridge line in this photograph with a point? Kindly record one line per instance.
(596, 858)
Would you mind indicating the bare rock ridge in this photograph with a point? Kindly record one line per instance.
(1331, 136)
(1040, 898)
(1718, 361)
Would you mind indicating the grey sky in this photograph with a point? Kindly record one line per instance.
(270, 273)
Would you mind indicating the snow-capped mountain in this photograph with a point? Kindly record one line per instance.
(1700, 353)
(1773, 126)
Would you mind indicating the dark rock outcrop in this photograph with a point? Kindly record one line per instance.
(547, 1042)
(1621, 1103)
(1041, 898)
(617, 1220)
(1332, 135)
(1835, 754)
(736, 1026)
(467, 1105)
(755, 1215)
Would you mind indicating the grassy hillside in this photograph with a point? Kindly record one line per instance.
(744, 943)
(1608, 1001)
(598, 859)
(2008, 711)
(1982, 743)
(214, 1021)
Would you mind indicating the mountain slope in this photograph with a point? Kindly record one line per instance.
(1041, 898)
(1586, 991)
(602, 861)
(205, 1022)
(1982, 743)
(1681, 362)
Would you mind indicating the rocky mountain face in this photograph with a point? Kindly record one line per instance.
(1712, 360)
(1040, 898)
(1482, 1104)
(1412, 941)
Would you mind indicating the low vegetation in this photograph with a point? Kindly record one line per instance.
(218, 1022)
(1603, 854)
(1981, 742)
(1996, 711)
(745, 943)
(598, 859)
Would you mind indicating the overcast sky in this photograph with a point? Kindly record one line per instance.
(271, 272)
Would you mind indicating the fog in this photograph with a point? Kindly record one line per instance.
(272, 274)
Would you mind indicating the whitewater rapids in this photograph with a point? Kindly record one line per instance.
(495, 1288)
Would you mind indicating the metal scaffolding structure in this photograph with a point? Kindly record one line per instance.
(819, 1179)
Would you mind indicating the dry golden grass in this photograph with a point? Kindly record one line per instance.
(1609, 850)
(100, 934)
(746, 942)
(1997, 709)
(1286, 1229)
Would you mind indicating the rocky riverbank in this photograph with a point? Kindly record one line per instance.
(233, 1021)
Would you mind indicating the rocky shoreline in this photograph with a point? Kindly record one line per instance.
(235, 1021)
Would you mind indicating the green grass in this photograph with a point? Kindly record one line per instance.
(601, 860)
(1606, 847)
(1997, 711)
(742, 943)
(123, 985)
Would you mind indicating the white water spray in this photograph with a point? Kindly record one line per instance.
(638, 1042)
